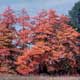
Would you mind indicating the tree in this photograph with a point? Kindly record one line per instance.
(75, 16)
(54, 41)
(7, 35)
(44, 41)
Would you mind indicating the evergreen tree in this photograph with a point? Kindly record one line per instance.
(75, 16)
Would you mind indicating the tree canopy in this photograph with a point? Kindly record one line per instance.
(44, 41)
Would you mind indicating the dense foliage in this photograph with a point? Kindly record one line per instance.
(43, 44)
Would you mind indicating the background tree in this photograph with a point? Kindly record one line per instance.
(75, 16)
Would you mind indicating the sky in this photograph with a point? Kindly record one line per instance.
(34, 6)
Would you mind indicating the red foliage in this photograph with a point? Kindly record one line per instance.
(43, 40)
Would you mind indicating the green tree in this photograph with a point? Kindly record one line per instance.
(75, 16)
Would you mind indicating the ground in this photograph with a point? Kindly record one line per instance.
(42, 77)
